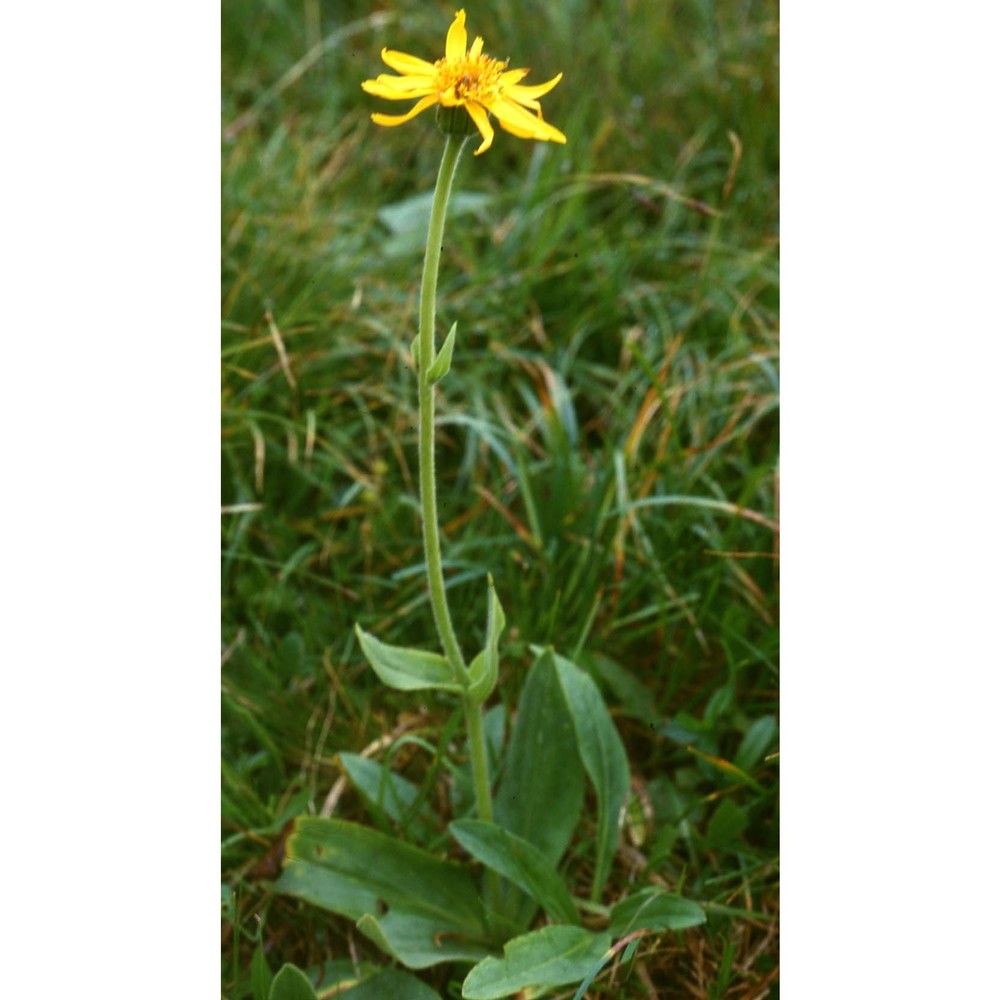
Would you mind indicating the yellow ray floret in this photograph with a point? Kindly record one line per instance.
(466, 78)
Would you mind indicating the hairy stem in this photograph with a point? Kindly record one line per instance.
(428, 487)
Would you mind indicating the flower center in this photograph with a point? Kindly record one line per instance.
(473, 78)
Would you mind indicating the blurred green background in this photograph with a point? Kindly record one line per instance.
(608, 442)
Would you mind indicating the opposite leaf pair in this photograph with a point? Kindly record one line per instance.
(416, 670)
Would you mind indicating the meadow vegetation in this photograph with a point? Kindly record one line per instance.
(607, 450)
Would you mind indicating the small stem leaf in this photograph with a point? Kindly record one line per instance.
(291, 983)
(482, 679)
(548, 957)
(406, 669)
(442, 363)
(485, 667)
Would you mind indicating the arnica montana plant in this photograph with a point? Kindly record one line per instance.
(527, 797)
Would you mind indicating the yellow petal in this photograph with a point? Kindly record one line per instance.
(511, 126)
(454, 46)
(514, 119)
(526, 94)
(477, 48)
(407, 64)
(513, 76)
(396, 88)
(391, 120)
(482, 121)
(526, 101)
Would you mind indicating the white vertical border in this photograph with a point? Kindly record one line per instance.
(109, 706)
(890, 280)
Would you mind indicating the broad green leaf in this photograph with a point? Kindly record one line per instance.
(603, 756)
(520, 862)
(485, 667)
(442, 363)
(654, 910)
(390, 984)
(260, 975)
(418, 942)
(406, 669)
(354, 870)
(551, 956)
(541, 791)
(387, 792)
(291, 984)
(756, 742)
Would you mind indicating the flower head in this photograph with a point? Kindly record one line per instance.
(468, 79)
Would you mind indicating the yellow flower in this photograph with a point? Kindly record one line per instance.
(466, 79)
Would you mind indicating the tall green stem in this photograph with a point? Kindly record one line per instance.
(477, 751)
(428, 487)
